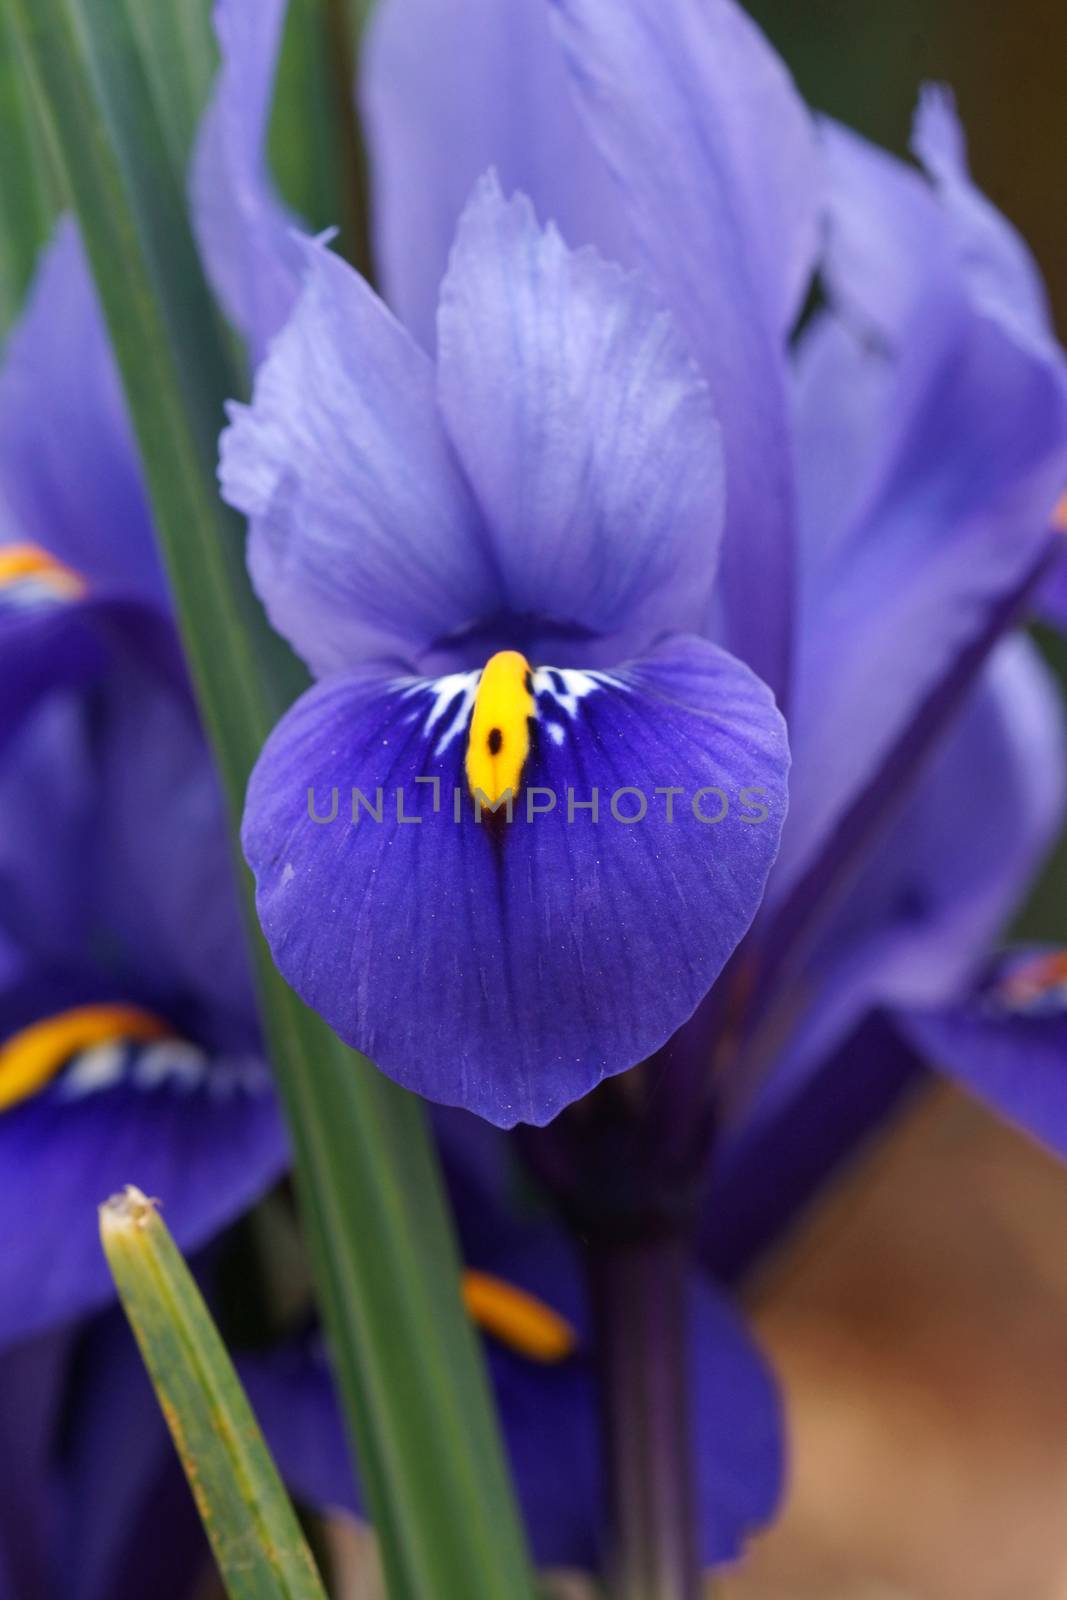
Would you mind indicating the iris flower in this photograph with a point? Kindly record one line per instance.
(525, 1289)
(128, 1041)
(94, 1505)
(497, 566)
(889, 481)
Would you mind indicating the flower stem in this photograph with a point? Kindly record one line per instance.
(640, 1299)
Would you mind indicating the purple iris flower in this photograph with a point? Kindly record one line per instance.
(525, 1289)
(889, 479)
(95, 1505)
(497, 567)
(1016, 1011)
(128, 1042)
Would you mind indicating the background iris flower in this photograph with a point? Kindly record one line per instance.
(547, 1397)
(128, 1039)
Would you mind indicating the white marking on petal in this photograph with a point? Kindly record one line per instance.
(171, 1058)
(96, 1069)
(563, 687)
(464, 684)
(237, 1074)
(442, 693)
(32, 594)
(576, 685)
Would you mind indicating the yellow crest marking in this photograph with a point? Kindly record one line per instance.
(499, 739)
(517, 1319)
(32, 1058)
(30, 561)
(1059, 515)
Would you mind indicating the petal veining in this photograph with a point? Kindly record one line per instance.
(507, 953)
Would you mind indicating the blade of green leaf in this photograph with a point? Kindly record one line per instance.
(28, 202)
(178, 49)
(260, 1550)
(316, 146)
(411, 1374)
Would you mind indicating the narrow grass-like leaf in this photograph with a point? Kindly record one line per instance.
(410, 1371)
(178, 49)
(260, 1550)
(28, 198)
(316, 145)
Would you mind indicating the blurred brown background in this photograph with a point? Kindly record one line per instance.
(862, 61)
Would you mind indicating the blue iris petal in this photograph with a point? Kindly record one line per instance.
(509, 966)
(1011, 1052)
(555, 481)
(201, 1131)
(69, 475)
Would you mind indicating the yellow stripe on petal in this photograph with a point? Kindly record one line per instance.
(499, 739)
(32, 1058)
(519, 1320)
(1059, 515)
(19, 561)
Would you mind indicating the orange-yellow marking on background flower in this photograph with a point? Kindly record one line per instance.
(31, 1058)
(1059, 514)
(1035, 978)
(30, 561)
(499, 739)
(517, 1319)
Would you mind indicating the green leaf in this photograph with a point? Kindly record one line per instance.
(411, 1374)
(178, 49)
(28, 198)
(253, 1529)
(316, 144)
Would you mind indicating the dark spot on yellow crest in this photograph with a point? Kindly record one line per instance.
(499, 740)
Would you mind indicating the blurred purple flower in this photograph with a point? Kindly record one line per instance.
(547, 1400)
(94, 1503)
(128, 1042)
(1006, 1040)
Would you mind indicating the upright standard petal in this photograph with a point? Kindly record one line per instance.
(245, 233)
(507, 960)
(842, 385)
(1002, 271)
(364, 534)
(69, 474)
(970, 454)
(715, 153)
(491, 89)
(584, 428)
